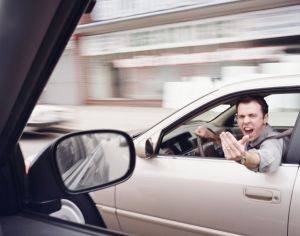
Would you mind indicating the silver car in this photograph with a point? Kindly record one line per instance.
(47, 117)
(175, 191)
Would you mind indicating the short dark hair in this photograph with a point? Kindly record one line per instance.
(249, 98)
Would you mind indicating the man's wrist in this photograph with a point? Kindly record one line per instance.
(243, 159)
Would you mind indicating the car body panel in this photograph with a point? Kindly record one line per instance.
(176, 195)
(294, 226)
(107, 197)
(205, 193)
(110, 216)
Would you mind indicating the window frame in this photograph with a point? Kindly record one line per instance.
(226, 99)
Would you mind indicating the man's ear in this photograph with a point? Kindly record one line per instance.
(266, 117)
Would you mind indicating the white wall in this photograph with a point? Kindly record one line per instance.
(179, 94)
(65, 86)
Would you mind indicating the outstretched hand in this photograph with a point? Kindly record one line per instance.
(233, 149)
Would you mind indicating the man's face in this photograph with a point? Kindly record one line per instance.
(251, 120)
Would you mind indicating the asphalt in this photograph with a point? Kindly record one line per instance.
(128, 119)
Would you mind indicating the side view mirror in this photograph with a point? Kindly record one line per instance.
(145, 149)
(81, 162)
(149, 149)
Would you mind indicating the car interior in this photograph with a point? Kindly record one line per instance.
(182, 141)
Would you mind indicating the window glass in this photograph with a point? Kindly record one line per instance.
(212, 113)
(283, 109)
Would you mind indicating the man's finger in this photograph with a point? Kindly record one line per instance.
(225, 139)
(233, 149)
(230, 142)
(225, 150)
(234, 144)
(244, 140)
(230, 136)
(226, 146)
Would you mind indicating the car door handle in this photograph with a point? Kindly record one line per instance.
(262, 194)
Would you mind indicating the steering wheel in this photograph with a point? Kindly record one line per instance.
(200, 146)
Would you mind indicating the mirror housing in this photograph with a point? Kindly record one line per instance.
(47, 176)
(145, 149)
(149, 150)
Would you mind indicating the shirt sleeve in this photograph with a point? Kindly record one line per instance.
(270, 153)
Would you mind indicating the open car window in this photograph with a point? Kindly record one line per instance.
(182, 141)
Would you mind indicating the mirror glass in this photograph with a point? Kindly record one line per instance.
(92, 159)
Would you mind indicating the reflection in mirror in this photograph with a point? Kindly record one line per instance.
(92, 159)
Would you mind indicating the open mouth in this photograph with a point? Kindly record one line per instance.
(248, 131)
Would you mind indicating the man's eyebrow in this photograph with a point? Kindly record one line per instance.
(250, 114)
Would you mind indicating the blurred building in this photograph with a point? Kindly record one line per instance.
(168, 52)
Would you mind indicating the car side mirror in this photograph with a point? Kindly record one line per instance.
(145, 149)
(81, 162)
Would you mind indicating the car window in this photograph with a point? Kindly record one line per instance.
(182, 141)
(283, 109)
(212, 113)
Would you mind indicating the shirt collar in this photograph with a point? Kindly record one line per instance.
(268, 131)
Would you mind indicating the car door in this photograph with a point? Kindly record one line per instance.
(184, 195)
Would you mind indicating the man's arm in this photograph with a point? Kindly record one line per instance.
(251, 159)
(270, 153)
(267, 158)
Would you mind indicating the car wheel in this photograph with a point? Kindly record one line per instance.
(80, 209)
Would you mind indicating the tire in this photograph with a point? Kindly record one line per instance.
(88, 209)
(81, 209)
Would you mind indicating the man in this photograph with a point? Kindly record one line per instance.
(254, 150)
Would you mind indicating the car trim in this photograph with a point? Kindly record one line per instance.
(212, 159)
(173, 224)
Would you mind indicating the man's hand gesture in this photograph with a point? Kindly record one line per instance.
(233, 149)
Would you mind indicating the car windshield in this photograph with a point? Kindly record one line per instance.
(212, 113)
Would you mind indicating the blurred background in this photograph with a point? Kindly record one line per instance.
(131, 63)
(166, 53)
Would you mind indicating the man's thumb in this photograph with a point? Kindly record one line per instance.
(244, 140)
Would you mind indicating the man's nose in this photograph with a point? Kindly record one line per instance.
(247, 119)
